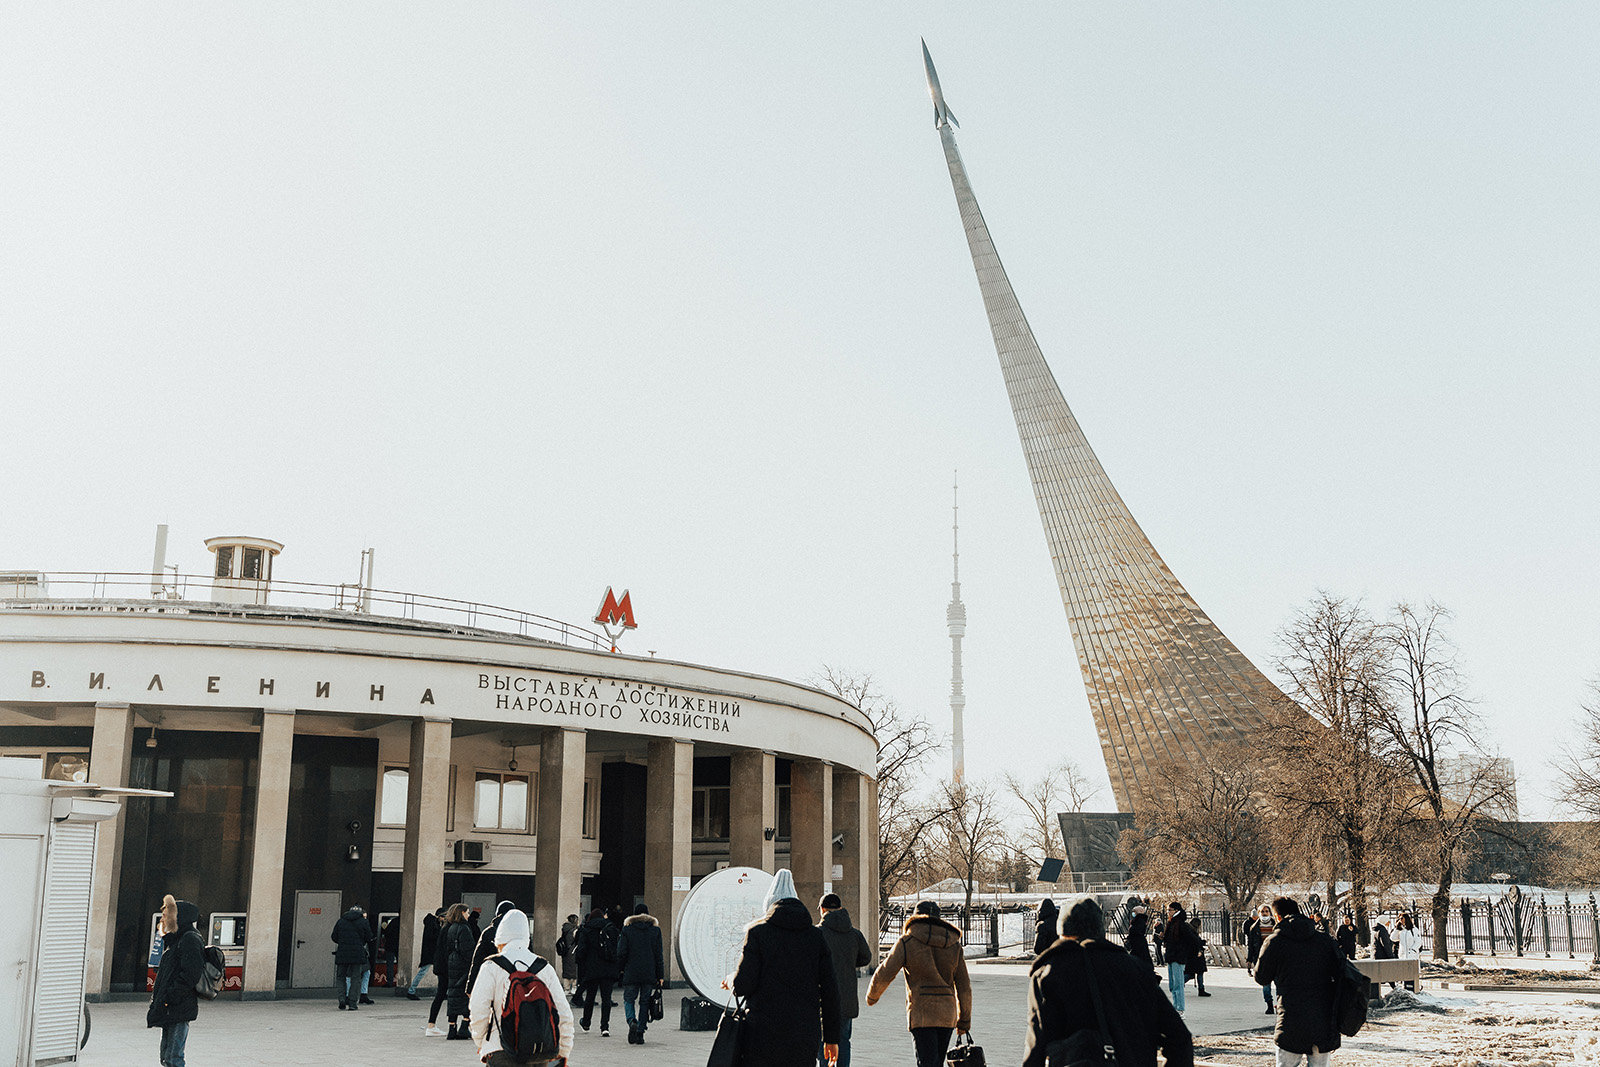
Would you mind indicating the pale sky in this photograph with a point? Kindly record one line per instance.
(540, 298)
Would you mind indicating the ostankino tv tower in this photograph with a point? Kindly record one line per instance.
(956, 615)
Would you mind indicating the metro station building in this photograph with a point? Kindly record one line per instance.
(336, 745)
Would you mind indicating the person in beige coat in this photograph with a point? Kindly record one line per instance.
(938, 991)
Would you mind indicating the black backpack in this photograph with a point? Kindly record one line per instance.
(213, 967)
(1349, 998)
(608, 942)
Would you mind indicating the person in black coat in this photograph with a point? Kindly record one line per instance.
(1181, 945)
(786, 978)
(643, 969)
(849, 949)
(1044, 926)
(1347, 938)
(596, 954)
(1137, 941)
(1253, 938)
(1061, 1004)
(1305, 965)
(457, 944)
(351, 934)
(485, 947)
(1198, 966)
(389, 938)
(441, 967)
(430, 944)
(173, 1002)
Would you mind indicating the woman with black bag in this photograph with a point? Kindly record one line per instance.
(1086, 993)
(786, 982)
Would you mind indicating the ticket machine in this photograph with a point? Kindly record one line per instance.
(227, 933)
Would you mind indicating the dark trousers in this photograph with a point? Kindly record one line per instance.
(442, 976)
(586, 992)
(931, 1043)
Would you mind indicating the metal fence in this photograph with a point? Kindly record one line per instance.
(1521, 926)
(994, 930)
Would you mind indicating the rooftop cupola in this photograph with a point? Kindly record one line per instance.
(243, 570)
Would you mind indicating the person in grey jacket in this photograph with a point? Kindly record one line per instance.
(849, 951)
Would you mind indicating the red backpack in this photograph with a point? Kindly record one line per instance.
(528, 1026)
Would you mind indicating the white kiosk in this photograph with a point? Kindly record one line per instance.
(47, 849)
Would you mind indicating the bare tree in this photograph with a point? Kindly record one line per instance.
(1578, 775)
(905, 817)
(1063, 787)
(972, 833)
(1335, 779)
(1429, 721)
(1202, 824)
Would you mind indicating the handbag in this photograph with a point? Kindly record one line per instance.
(658, 1009)
(1085, 1048)
(727, 1048)
(965, 1053)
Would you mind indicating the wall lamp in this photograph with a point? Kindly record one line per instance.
(769, 833)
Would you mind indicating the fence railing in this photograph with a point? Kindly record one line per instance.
(168, 592)
(1526, 926)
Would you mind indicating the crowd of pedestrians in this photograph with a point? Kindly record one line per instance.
(1090, 999)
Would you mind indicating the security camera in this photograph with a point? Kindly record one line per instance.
(355, 826)
(838, 841)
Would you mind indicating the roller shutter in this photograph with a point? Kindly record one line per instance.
(63, 942)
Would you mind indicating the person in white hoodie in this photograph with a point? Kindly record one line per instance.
(1408, 941)
(489, 991)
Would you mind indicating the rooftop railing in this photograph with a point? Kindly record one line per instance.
(173, 593)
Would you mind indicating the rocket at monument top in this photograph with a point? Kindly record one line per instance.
(942, 115)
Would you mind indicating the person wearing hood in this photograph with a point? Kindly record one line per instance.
(787, 980)
(643, 969)
(1305, 964)
(352, 933)
(1137, 941)
(565, 946)
(849, 951)
(173, 1002)
(938, 991)
(1044, 927)
(486, 944)
(1061, 1004)
(596, 954)
(490, 985)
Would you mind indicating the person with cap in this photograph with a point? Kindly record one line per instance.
(938, 991)
(1064, 1018)
(1137, 941)
(486, 943)
(786, 978)
(174, 1004)
(491, 983)
(643, 969)
(352, 934)
(849, 950)
(1044, 927)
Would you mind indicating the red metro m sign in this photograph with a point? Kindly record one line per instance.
(615, 616)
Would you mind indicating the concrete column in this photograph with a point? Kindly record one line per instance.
(855, 884)
(265, 907)
(669, 797)
(427, 804)
(811, 829)
(110, 753)
(558, 861)
(872, 881)
(753, 800)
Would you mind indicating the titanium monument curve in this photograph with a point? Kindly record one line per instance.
(1163, 680)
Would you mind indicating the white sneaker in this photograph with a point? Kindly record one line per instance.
(605, 1033)
(432, 1031)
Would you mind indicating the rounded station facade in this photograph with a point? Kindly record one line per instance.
(321, 757)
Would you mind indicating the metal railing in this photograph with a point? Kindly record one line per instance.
(1526, 926)
(25, 590)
